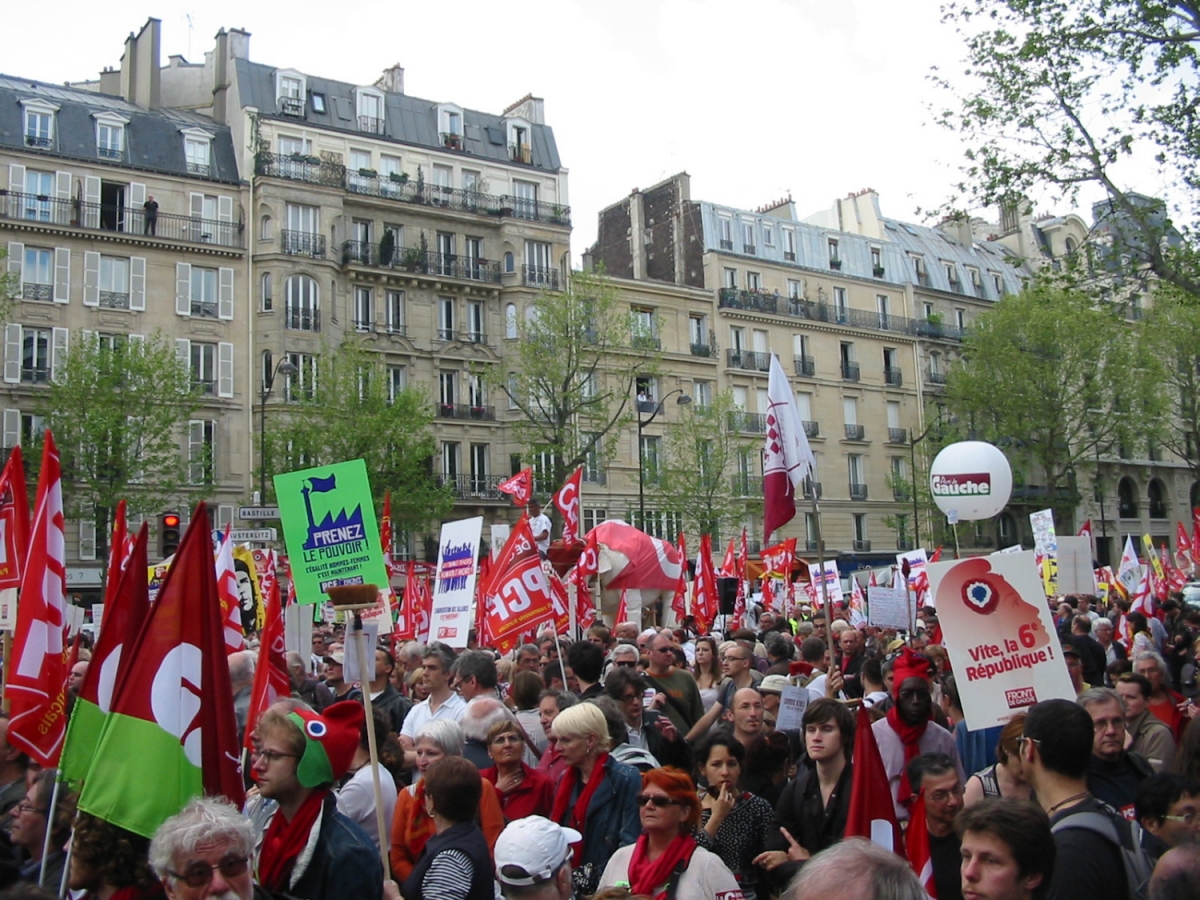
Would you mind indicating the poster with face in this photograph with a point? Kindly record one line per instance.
(249, 589)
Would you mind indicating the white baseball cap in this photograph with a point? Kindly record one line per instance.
(531, 850)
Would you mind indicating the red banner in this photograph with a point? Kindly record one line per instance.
(567, 503)
(518, 595)
(14, 520)
(704, 589)
(679, 601)
(520, 486)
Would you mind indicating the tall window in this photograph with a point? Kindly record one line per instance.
(510, 321)
(202, 451)
(35, 355)
(203, 292)
(397, 381)
(110, 140)
(301, 384)
(446, 319)
(448, 388)
(114, 283)
(475, 322)
(39, 127)
(196, 152)
(526, 199)
(302, 312)
(395, 312)
(364, 309)
(651, 453)
(37, 274)
(204, 367)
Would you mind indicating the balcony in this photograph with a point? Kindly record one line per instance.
(855, 432)
(726, 244)
(835, 264)
(40, 292)
(789, 255)
(900, 494)
(748, 360)
(520, 153)
(300, 167)
(938, 330)
(370, 124)
(812, 489)
(35, 374)
(706, 350)
(850, 371)
(747, 486)
(302, 243)
(861, 546)
(543, 277)
(291, 106)
(42, 209)
(646, 342)
(858, 491)
(893, 377)
(877, 271)
(302, 319)
(749, 249)
(119, 300)
(425, 262)
(806, 366)
(594, 476)
(754, 301)
(811, 429)
(466, 411)
(897, 435)
(473, 487)
(933, 377)
(751, 423)
(810, 546)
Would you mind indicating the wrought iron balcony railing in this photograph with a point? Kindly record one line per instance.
(302, 243)
(749, 360)
(806, 366)
(425, 262)
(858, 491)
(855, 432)
(466, 411)
(897, 435)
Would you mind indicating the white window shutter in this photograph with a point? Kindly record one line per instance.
(62, 185)
(224, 369)
(137, 283)
(12, 354)
(89, 339)
(16, 265)
(183, 289)
(12, 428)
(138, 341)
(16, 179)
(62, 275)
(183, 352)
(91, 278)
(91, 201)
(225, 293)
(58, 353)
(137, 195)
(224, 209)
(195, 450)
(87, 539)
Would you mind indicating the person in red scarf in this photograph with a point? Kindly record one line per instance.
(597, 795)
(908, 730)
(308, 849)
(665, 862)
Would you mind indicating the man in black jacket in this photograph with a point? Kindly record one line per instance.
(1091, 654)
(648, 729)
(311, 691)
(1114, 773)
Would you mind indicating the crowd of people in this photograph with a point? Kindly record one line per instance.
(656, 763)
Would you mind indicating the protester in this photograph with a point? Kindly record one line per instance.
(707, 670)
(481, 714)
(525, 689)
(648, 729)
(935, 777)
(677, 695)
(308, 689)
(1114, 773)
(384, 696)
(1007, 851)
(1091, 654)
(1164, 702)
(1003, 778)
(111, 863)
(1177, 875)
(442, 703)
(356, 796)
(665, 856)
(745, 715)
(587, 662)
(14, 764)
(205, 850)
(335, 677)
(856, 869)
(30, 820)
(1168, 809)
(523, 791)
(533, 860)
(1187, 757)
(550, 704)
(1149, 736)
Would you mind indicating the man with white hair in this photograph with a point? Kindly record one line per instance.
(1102, 633)
(204, 851)
(626, 632)
(533, 860)
(481, 714)
(241, 679)
(856, 869)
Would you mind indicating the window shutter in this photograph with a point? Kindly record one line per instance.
(138, 341)
(183, 289)
(224, 209)
(16, 186)
(16, 265)
(58, 353)
(12, 354)
(62, 275)
(137, 283)
(91, 278)
(183, 352)
(87, 539)
(91, 201)
(224, 516)
(89, 339)
(224, 369)
(197, 206)
(62, 185)
(225, 293)
(137, 196)
(12, 428)
(196, 450)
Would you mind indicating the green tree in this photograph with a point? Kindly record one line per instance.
(349, 413)
(1066, 94)
(1169, 349)
(699, 474)
(574, 375)
(1050, 377)
(118, 410)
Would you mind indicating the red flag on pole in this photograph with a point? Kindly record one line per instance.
(385, 536)
(14, 518)
(567, 503)
(587, 566)
(520, 486)
(622, 610)
(118, 553)
(704, 589)
(227, 593)
(1085, 530)
(788, 458)
(872, 814)
(271, 680)
(729, 563)
(739, 603)
(518, 595)
(679, 601)
(37, 684)
(916, 843)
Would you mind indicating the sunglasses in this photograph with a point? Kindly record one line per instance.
(657, 800)
(200, 875)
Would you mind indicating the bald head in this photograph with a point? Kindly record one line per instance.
(1177, 874)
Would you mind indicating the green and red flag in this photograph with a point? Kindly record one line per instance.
(125, 609)
(170, 734)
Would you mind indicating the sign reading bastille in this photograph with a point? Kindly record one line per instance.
(330, 529)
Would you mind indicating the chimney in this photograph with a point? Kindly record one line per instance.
(392, 80)
(529, 108)
(230, 45)
(140, 77)
(959, 228)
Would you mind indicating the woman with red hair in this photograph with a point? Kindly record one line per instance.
(665, 862)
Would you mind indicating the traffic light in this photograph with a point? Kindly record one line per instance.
(168, 534)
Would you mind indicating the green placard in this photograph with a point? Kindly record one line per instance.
(330, 529)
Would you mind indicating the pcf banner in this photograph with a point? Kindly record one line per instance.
(998, 630)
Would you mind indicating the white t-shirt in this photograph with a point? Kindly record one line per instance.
(453, 708)
(705, 878)
(356, 801)
(538, 524)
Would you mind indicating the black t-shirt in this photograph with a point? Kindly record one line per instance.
(1086, 865)
(947, 865)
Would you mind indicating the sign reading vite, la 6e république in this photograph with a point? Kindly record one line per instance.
(330, 529)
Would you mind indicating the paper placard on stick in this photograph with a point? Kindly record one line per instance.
(1001, 638)
(450, 620)
(793, 701)
(1075, 573)
(891, 607)
(97, 616)
(8, 609)
(74, 617)
(297, 629)
(369, 637)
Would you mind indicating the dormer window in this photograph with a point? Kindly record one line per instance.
(197, 150)
(110, 135)
(39, 123)
(451, 126)
(370, 110)
(289, 93)
(519, 141)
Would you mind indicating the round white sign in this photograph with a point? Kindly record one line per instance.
(971, 478)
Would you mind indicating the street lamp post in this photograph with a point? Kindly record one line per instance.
(912, 449)
(285, 367)
(683, 400)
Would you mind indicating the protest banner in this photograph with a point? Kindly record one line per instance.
(793, 701)
(891, 607)
(330, 529)
(1045, 548)
(1001, 639)
(1075, 573)
(833, 581)
(458, 551)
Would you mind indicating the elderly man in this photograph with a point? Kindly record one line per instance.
(528, 659)
(474, 675)
(677, 695)
(205, 851)
(1102, 633)
(648, 729)
(936, 775)
(241, 679)
(852, 645)
(1114, 773)
(1164, 702)
(533, 860)
(480, 715)
(855, 869)
(626, 632)
(308, 689)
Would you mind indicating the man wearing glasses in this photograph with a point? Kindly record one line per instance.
(204, 851)
(1168, 808)
(937, 776)
(677, 695)
(737, 665)
(648, 729)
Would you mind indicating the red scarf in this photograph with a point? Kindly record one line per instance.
(578, 816)
(645, 877)
(283, 842)
(910, 736)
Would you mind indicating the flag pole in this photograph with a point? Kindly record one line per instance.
(821, 558)
(49, 828)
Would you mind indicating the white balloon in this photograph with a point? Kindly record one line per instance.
(972, 478)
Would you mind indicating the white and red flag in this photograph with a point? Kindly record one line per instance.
(1142, 598)
(271, 679)
(729, 563)
(872, 813)
(1183, 547)
(37, 683)
(739, 604)
(858, 605)
(704, 589)
(517, 596)
(1129, 569)
(566, 501)
(788, 457)
(227, 593)
(1085, 530)
(916, 843)
(14, 519)
(520, 487)
(622, 609)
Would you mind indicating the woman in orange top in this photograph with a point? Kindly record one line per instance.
(412, 826)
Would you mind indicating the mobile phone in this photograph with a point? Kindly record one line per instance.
(648, 697)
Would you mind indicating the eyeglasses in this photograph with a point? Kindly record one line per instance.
(657, 799)
(1186, 818)
(271, 755)
(733, 659)
(627, 664)
(198, 876)
(629, 698)
(1023, 739)
(26, 808)
(943, 796)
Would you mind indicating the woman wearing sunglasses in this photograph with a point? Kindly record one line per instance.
(665, 862)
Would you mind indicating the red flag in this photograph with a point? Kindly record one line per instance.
(424, 608)
(916, 843)
(560, 601)
(482, 581)
(729, 563)
(937, 554)
(787, 458)
(385, 535)
(37, 684)
(406, 619)
(704, 589)
(872, 814)
(1183, 547)
(518, 597)
(1084, 531)
(14, 519)
(124, 613)
(118, 553)
(567, 503)
(739, 603)
(874, 582)
(587, 566)
(227, 593)
(271, 679)
(622, 610)
(1195, 529)
(520, 486)
(679, 601)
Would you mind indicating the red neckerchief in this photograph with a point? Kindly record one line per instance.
(284, 840)
(910, 736)
(645, 877)
(578, 816)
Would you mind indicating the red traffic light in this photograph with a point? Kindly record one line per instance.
(170, 520)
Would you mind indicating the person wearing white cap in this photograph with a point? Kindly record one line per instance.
(533, 859)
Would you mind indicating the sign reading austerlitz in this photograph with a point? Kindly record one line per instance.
(454, 590)
(1000, 636)
(330, 529)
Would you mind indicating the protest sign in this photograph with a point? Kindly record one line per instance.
(891, 607)
(458, 551)
(1075, 573)
(833, 582)
(1001, 639)
(360, 641)
(793, 701)
(330, 529)
(297, 629)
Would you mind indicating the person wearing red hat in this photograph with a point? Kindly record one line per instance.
(908, 729)
(308, 849)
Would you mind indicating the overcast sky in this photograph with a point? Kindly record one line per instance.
(755, 99)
